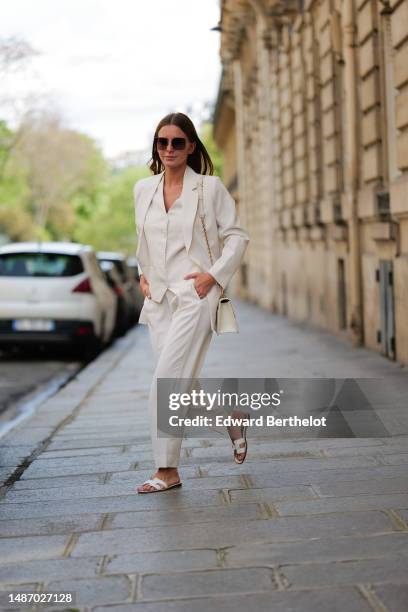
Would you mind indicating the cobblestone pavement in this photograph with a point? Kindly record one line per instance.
(302, 525)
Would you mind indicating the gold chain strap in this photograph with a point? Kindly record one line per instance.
(200, 201)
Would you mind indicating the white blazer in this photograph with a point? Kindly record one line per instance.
(227, 239)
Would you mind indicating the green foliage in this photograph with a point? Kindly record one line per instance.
(48, 168)
(206, 137)
(110, 224)
(56, 185)
(6, 137)
(16, 221)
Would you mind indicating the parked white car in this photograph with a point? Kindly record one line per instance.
(54, 292)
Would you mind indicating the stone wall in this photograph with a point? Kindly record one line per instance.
(320, 122)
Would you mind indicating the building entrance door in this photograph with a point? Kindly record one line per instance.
(385, 277)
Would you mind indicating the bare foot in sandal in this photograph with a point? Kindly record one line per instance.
(238, 437)
(169, 476)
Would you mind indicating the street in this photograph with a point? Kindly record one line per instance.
(23, 374)
(303, 524)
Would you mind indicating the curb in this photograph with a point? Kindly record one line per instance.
(32, 436)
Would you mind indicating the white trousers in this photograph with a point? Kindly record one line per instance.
(180, 334)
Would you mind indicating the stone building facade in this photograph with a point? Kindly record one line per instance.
(312, 117)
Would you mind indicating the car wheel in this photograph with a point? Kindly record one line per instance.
(90, 350)
(96, 346)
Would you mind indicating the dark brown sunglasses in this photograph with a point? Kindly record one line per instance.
(178, 144)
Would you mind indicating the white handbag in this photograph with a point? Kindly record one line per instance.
(225, 320)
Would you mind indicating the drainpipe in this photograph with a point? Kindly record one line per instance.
(351, 101)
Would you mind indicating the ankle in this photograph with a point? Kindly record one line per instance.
(168, 470)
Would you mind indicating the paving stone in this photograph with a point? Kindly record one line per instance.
(29, 435)
(81, 452)
(350, 572)
(91, 436)
(50, 525)
(21, 449)
(13, 456)
(396, 444)
(49, 569)
(393, 596)
(225, 533)
(316, 477)
(164, 561)
(324, 443)
(14, 589)
(57, 482)
(395, 459)
(258, 451)
(335, 600)
(342, 504)
(86, 427)
(91, 592)
(394, 420)
(271, 494)
(5, 473)
(71, 444)
(242, 512)
(173, 499)
(363, 487)
(318, 550)
(288, 465)
(187, 443)
(66, 467)
(24, 549)
(375, 451)
(403, 512)
(211, 582)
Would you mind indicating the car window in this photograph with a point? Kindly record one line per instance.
(40, 264)
(120, 268)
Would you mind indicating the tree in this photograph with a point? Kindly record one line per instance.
(62, 166)
(16, 223)
(15, 59)
(111, 222)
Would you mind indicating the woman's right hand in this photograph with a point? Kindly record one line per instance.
(144, 285)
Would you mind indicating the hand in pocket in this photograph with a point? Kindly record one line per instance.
(144, 285)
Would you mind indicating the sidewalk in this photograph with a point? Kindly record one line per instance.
(302, 525)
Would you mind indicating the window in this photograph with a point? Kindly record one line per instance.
(40, 264)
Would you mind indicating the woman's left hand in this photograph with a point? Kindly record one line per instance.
(203, 283)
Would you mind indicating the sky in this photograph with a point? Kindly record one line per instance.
(115, 68)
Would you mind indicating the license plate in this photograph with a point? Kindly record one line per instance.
(33, 325)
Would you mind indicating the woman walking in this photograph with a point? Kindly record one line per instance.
(180, 284)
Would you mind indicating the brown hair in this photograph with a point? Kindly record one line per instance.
(198, 160)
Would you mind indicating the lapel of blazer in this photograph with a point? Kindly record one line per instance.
(148, 196)
(189, 199)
